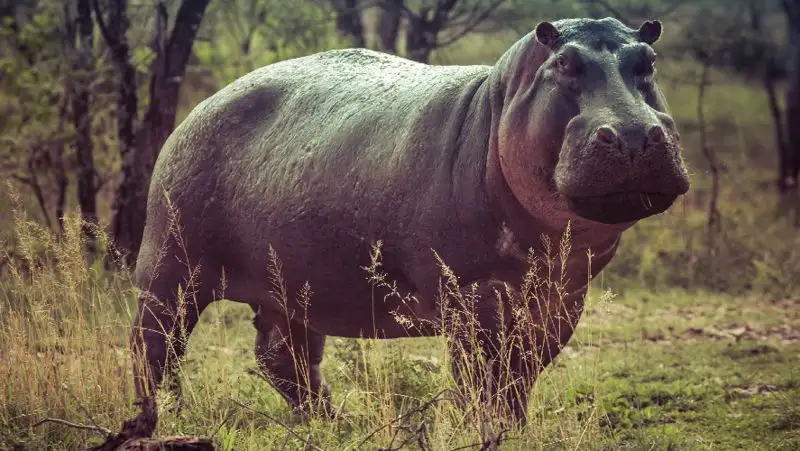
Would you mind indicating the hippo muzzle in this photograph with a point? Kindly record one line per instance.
(622, 172)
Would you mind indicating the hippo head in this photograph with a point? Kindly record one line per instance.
(585, 131)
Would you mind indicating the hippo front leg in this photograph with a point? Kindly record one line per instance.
(158, 342)
(500, 343)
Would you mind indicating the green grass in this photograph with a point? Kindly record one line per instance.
(636, 375)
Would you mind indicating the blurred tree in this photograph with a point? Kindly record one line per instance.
(348, 20)
(238, 36)
(733, 37)
(431, 24)
(458, 17)
(632, 11)
(790, 160)
(391, 14)
(428, 25)
(114, 31)
(82, 77)
(36, 46)
(708, 39)
(10, 10)
(708, 152)
(757, 55)
(139, 153)
(59, 167)
(243, 18)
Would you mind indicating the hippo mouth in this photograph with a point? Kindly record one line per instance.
(620, 207)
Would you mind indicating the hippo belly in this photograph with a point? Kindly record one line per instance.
(332, 261)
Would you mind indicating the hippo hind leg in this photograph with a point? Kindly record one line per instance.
(289, 356)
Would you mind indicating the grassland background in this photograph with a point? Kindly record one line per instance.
(683, 345)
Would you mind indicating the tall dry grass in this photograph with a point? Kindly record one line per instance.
(64, 355)
(63, 336)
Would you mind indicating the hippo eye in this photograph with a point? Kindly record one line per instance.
(651, 63)
(562, 62)
(647, 67)
(568, 64)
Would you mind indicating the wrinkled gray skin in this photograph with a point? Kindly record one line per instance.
(322, 156)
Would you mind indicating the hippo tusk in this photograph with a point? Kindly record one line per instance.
(646, 202)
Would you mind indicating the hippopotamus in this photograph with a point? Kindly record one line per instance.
(308, 165)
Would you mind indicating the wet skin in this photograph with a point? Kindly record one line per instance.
(319, 158)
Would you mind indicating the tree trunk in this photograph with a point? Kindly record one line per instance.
(710, 155)
(348, 21)
(81, 114)
(790, 161)
(32, 181)
(769, 70)
(159, 121)
(768, 82)
(420, 38)
(60, 171)
(422, 34)
(127, 102)
(389, 24)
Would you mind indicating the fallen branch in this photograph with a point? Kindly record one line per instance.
(83, 427)
(486, 445)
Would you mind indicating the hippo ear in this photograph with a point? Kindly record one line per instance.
(546, 33)
(650, 31)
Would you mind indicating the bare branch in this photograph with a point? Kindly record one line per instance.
(100, 430)
(475, 22)
(101, 23)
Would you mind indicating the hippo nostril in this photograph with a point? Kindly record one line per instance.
(606, 135)
(655, 135)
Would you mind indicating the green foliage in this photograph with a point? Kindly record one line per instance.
(36, 128)
(30, 55)
(251, 34)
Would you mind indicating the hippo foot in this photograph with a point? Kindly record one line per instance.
(320, 407)
(144, 424)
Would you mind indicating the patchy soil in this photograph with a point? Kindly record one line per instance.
(784, 334)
